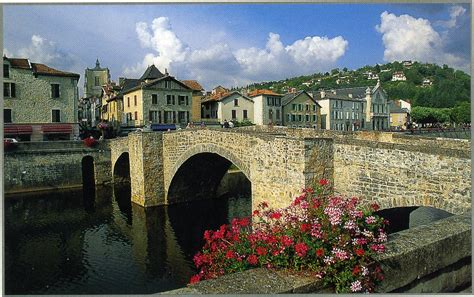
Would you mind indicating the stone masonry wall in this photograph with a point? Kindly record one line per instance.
(276, 166)
(35, 166)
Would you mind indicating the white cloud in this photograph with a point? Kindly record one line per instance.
(454, 13)
(44, 51)
(408, 38)
(220, 64)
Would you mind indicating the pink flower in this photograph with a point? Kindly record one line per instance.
(323, 182)
(370, 220)
(261, 251)
(340, 254)
(356, 286)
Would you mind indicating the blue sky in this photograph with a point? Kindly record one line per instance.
(236, 44)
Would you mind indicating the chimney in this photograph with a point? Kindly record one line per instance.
(166, 71)
(350, 95)
(323, 94)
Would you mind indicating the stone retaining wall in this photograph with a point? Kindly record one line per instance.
(52, 165)
(432, 258)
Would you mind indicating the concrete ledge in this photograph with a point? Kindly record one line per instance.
(431, 258)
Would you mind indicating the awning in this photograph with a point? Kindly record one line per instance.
(17, 129)
(56, 128)
(163, 127)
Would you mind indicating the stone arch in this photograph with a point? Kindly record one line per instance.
(442, 204)
(124, 173)
(209, 148)
(191, 177)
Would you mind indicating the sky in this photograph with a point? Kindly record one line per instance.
(237, 44)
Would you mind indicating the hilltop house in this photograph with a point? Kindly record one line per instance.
(352, 109)
(155, 98)
(40, 102)
(398, 76)
(222, 104)
(301, 110)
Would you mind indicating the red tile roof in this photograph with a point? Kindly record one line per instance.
(194, 85)
(263, 92)
(46, 70)
(19, 63)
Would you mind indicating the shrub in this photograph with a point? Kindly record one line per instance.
(334, 237)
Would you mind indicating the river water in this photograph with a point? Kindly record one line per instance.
(80, 242)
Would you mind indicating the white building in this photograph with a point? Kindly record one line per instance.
(228, 106)
(267, 107)
(398, 76)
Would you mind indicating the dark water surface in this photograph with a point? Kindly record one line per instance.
(68, 243)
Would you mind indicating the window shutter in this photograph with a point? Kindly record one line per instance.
(13, 90)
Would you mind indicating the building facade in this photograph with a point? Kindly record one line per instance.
(399, 114)
(223, 105)
(40, 102)
(198, 94)
(352, 109)
(267, 107)
(111, 105)
(94, 79)
(300, 110)
(156, 98)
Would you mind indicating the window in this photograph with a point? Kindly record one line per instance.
(353, 115)
(244, 114)
(170, 99)
(7, 115)
(289, 117)
(56, 116)
(135, 100)
(97, 81)
(334, 104)
(6, 70)
(54, 90)
(268, 101)
(182, 117)
(187, 100)
(307, 118)
(167, 84)
(236, 102)
(293, 118)
(128, 101)
(307, 107)
(314, 107)
(278, 101)
(300, 118)
(278, 114)
(315, 119)
(300, 107)
(9, 90)
(136, 115)
(181, 100)
(168, 117)
(293, 106)
(270, 114)
(154, 99)
(153, 116)
(234, 114)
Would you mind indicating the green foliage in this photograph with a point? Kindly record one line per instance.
(461, 113)
(425, 115)
(243, 123)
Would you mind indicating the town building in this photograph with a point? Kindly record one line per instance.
(267, 107)
(427, 82)
(398, 76)
(112, 104)
(91, 103)
(198, 94)
(352, 109)
(301, 110)
(371, 75)
(407, 64)
(40, 102)
(156, 98)
(399, 116)
(222, 104)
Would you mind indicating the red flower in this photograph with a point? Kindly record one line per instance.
(256, 212)
(301, 249)
(286, 241)
(320, 252)
(207, 235)
(244, 222)
(356, 270)
(275, 215)
(323, 182)
(261, 251)
(305, 227)
(252, 259)
(359, 252)
(230, 255)
(194, 279)
(375, 206)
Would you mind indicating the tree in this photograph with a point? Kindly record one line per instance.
(377, 68)
(461, 113)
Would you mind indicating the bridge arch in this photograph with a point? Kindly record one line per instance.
(199, 171)
(121, 169)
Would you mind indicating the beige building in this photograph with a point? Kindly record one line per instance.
(267, 107)
(300, 110)
(40, 102)
(198, 94)
(156, 98)
(223, 105)
(399, 114)
(112, 104)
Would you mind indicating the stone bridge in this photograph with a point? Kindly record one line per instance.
(394, 170)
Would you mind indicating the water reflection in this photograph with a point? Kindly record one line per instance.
(98, 242)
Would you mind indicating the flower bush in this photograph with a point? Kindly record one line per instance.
(333, 237)
(90, 142)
